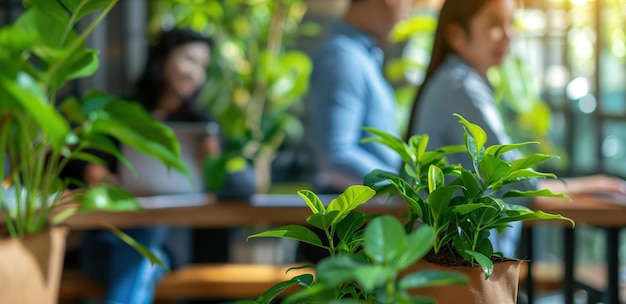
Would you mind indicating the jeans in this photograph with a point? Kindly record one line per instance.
(128, 276)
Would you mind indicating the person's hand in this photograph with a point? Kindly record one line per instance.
(586, 184)
(97, 174)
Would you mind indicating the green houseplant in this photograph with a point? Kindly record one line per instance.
(256, 82)
(39, 53)
(463, 205)
(366, 263)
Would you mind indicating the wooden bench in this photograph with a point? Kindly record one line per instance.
(246, 281)
(202, 281)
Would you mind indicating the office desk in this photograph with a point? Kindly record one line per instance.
(602, 212)
(206, 211)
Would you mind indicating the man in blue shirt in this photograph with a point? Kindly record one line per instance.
(348, 91)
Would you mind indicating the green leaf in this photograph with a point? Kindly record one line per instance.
(336, 270)
(419, 243)
(132, 116)
(312, 200)
(533, 193)
(82, 64)
(384, 240)
(494, 168)
(370, 276)
(296, 232)
(410, 196)
(498, 150)
(70, 107)
(439, 200)
(107, 198)
(393, 142)
(436, 178)
(418, 144)
(52, 8)
(353, 222)
(24, 94)
(530, 161)
(528, 215)
(323, 220)
(484, 262)
(432, 278)
(377, 176)
(437, 157)
(14, 39)
(470, 185)
(525, 174)
(137, 246)
(475, 139)
(351, 198)
(274, 291)
(82, 8)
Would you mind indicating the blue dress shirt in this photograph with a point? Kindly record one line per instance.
(347, 92)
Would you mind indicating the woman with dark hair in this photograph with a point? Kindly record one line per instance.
(175, 71)
(471, 37)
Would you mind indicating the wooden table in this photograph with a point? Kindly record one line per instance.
(594, 210)
(206, 211)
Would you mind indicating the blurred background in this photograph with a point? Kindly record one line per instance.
(563, 85)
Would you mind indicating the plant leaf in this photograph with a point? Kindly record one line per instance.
(475, 139)
(353, 222)
(312, 200)
(530, 161)
(370, 276)
(351, 198)
(82, 8)
(494, 168)
(419, 243)
(498, 150)
(431, 278)
(384, 240)
(484, 262)
(154, 260)
(274, 291)
(323, 220)
(435, 178)
(107, 198)
(296, 232)
(533, 193)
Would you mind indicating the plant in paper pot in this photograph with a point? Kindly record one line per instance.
(368, 263)
(463, 206)
(39, 53)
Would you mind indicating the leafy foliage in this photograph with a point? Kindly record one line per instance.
(39, 53)
(462, 205)
(255, 82)
(365, 261)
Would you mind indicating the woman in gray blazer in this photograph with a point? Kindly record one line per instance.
(471, 37)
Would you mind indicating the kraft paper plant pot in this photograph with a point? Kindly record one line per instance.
(500, 288)
(30, 268)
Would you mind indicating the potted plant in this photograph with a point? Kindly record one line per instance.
(39, 53)
(464, 206)
(367, 263)
(256, 82)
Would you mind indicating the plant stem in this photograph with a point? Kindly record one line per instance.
(80, 40)
(70, 24)
(331, 243)
(391, 290)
